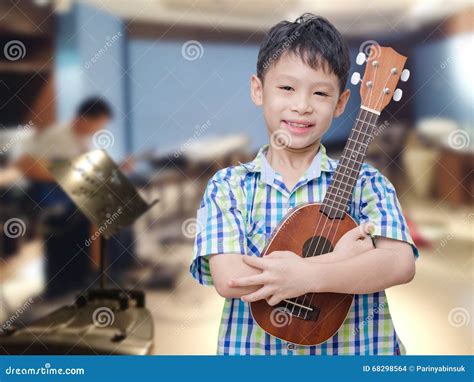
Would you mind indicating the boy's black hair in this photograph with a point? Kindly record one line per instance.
(94, 107)
(314, 39)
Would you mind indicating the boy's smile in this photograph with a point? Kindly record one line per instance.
(298, 126)
(298, 101)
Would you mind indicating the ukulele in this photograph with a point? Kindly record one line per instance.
(313, 229)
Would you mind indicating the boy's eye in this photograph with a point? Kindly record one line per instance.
(286, 88)
(322, 94)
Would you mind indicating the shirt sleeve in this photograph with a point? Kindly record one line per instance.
(379, 204)
(220, 226)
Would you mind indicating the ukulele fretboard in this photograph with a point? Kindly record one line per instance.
(345, 177)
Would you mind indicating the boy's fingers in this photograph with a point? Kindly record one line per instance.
(369, 228)
(365, 229)
(355, 233)
(274, 255)
(273, 300)
(247, 280)
(261, 294)
(254, 261)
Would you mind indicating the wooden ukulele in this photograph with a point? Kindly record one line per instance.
(313, 229)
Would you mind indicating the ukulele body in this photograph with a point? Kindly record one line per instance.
(307, 232)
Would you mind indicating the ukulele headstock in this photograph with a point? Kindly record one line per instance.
(384, 68)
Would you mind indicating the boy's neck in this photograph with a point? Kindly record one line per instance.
(289, 159)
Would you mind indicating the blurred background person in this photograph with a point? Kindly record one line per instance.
(62, 227)
(64, 140)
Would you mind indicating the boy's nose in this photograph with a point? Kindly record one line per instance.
(302, 106)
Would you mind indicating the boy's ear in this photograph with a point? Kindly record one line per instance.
(341, 103)
(256, 90)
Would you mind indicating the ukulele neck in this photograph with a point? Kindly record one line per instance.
(345, 177)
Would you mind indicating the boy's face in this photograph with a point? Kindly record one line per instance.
(298, 102)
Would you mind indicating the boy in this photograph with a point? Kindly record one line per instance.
(302, 70)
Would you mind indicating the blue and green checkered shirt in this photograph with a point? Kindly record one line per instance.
(241, 207)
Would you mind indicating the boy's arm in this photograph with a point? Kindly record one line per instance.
(230, 266)
(227, 266)
(391, 263)
(286, 275)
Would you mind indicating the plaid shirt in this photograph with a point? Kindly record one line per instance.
(241, 207)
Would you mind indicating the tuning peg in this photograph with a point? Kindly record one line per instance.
(361, 58)
(397, 95)
(405, 75)
(355, 78)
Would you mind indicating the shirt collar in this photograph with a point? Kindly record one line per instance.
(321, 162)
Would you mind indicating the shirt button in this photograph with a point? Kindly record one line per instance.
(290, 346)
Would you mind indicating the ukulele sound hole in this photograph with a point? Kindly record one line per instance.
(316, 245)
(298, 307)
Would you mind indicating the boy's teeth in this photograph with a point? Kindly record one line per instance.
(297, 124)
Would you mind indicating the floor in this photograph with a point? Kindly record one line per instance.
(433, 313)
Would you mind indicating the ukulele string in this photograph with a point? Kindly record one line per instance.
(317, 244)
(341, 183)
(336, 208)
(333, 206)
(336, 192)
(321, 218)
(369, 125)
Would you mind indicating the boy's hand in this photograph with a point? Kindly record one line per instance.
(284, 275)
(356, 241)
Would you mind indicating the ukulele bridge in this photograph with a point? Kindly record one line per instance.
(295, 309)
